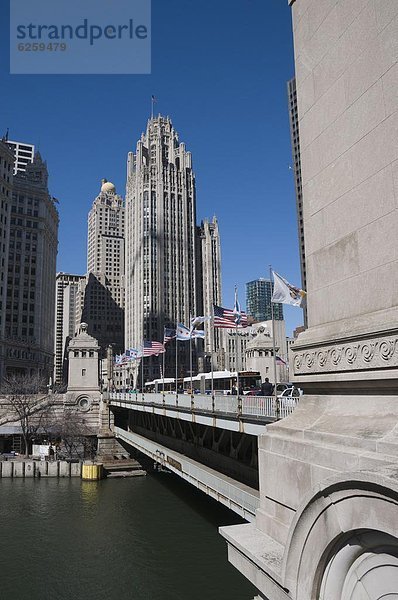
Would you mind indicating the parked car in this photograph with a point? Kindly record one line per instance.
(290, 396)
(291, 392)
(256, 391)
(281, 387)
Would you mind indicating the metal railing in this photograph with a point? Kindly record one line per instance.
(265, 407)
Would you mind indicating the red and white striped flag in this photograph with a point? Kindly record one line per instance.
(153, 348)
(226, 318)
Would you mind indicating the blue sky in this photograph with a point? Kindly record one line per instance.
(219, 69)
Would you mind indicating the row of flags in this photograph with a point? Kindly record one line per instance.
(224, 318)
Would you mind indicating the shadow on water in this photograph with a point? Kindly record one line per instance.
(215, 513)
(146, 538)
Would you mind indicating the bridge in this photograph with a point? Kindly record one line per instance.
(246, 414)
(209, 441)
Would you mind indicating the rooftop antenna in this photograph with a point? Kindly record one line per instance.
(153, 102)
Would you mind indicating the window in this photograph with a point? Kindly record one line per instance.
(83, 372)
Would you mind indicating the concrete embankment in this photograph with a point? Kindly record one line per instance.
(37, 468)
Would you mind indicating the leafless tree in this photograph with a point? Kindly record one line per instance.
(28, 402)
(77, 439)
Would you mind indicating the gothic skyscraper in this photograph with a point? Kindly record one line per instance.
(161, 241)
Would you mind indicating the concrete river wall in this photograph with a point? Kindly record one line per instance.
(37, 468)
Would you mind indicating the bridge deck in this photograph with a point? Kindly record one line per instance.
(246, 414)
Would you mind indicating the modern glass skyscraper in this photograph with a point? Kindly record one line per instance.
(161, 242)
(258, 301)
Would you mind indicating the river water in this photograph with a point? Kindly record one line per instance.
(144, 538)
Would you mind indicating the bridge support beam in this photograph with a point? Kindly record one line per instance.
(236, 496)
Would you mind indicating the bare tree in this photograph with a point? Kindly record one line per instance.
(77, 439)
(27, 402)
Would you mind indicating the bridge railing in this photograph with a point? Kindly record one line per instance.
(258, 406)
(245, 406)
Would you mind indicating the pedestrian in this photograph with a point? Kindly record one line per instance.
(51, 452)
(267, 388)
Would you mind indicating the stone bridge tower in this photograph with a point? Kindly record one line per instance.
(327, 526)
(83, 392)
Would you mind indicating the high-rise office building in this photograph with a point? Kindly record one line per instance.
(295, 141)
(258, 301)
(161, 242)
(30, 308)
(210, 253)
(101, 302)
(6, 180)
(23, 155)
(65, 317)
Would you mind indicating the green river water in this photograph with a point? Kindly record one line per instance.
(144, 538)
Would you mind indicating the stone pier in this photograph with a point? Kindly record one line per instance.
(327, 526)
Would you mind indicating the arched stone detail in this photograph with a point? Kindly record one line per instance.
(350, 523)
(365, 564)
(84, 402)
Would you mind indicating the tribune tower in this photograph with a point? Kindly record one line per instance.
(161, 243)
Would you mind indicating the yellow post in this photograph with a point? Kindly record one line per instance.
(92, 471)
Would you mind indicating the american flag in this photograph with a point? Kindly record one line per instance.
(279, 361)
(153, 348)
(226, 318)
(169, 334)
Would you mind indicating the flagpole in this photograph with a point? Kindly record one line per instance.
(177, 361)
(212, 333)
(273, 347)
(152, 104)
(164, 354)
(190, 353)
(142, 372)
(236, 346)
(237, 359)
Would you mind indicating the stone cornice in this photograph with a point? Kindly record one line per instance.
(365, 354)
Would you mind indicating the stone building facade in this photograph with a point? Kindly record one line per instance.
(101, 294)
(260, 355)
(24, 154)
(6, 179)
(33, 245)
(239, 360)
(161, 243)
(211, 287)
(66, 292)
(295, 141)
(327, 526)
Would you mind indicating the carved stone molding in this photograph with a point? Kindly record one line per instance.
(374, 353)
